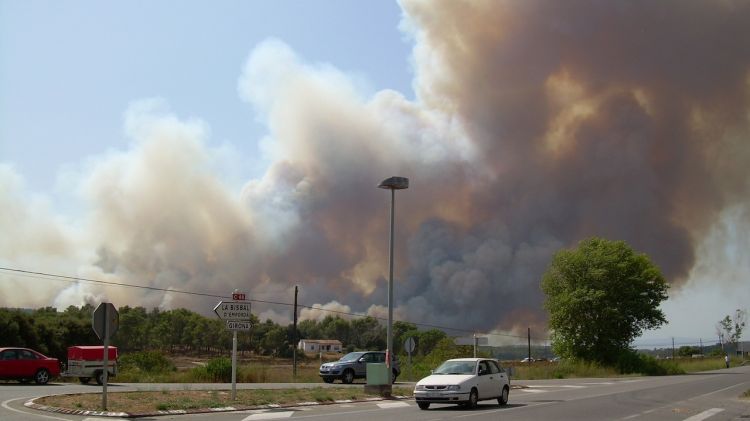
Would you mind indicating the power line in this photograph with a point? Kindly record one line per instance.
(63, 278)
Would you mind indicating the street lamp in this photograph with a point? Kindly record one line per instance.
(392, 184)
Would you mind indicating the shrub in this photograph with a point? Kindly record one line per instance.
(632, 362)
(146, 361)
(219, 369)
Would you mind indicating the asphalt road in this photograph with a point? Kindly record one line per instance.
(705, 396)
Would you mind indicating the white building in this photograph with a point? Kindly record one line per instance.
(320, 345)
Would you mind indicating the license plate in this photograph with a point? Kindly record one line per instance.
(434, 395)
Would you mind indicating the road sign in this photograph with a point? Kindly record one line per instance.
(409, 345)
(105, 321)
(237, 325)
(233, 310)
(238, 296)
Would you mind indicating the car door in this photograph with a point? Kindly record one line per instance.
(27, 363)
(484, 383)
(489, 380)
(9, 363)
(500, 376)
(361, 368)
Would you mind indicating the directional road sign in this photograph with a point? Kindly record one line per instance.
(237, 325)
(233, 310)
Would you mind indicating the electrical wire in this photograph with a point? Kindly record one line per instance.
(77, 279)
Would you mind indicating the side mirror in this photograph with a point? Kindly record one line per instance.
(361, 360)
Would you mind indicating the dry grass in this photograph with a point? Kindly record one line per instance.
(145, 402)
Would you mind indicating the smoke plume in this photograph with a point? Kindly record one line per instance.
(535, 124)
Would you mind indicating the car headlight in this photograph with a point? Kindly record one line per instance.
(453, 387)
(420, 387)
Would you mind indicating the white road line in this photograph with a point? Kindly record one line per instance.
(387, 405)
(103, 419)
(269, 416)
(5, 405)
(533, 391)
(599, 383)
(705, 414)
(567, 386)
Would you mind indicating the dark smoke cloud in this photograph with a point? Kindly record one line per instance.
(536, 124)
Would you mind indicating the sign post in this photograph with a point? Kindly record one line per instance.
(105, 322)
(409, 346)
(236, 313)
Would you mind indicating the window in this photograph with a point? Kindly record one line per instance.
(9, 354)
(483, 369)
(494, 367)
(26, 355)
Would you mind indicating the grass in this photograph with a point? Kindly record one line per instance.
(746, 395)
(269, 370)
(144, 402)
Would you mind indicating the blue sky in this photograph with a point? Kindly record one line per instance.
(86, 87)
(69, 69)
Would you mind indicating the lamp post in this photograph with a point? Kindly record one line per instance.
(392, 184)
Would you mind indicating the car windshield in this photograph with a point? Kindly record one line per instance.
(456, 367)
(352, 356)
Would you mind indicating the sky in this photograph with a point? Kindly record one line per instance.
(207, 146)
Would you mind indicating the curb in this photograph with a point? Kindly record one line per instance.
(80, 412)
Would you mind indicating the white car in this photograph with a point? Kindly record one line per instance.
(464, 381)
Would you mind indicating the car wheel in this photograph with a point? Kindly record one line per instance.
(328, 379)
(348, 376)
(473, 399)
(99, 376)
(423, 405)
(41, 376)
(84, 380)
(503, 399)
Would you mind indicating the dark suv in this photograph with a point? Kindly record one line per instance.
(354, 366)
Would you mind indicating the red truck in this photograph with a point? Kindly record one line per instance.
(86, 362)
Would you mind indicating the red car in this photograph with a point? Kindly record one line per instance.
(25, 364)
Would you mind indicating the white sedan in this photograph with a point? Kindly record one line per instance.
(464, 381)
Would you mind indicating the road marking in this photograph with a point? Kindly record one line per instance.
(568, 386)
(5, 405)
(103, 419)
(599, 383)
(387, 405)
(533, 391)
(269, 416)
(705, 414)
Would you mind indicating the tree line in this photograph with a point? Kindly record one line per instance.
(51, 332)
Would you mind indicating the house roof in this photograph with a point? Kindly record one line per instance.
(323, 341)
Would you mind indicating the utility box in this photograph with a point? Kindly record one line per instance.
(377, 374)
(378, 380)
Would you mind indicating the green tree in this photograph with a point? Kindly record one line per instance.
(730, 328)
(688, 351)
(428, 340)
(600, 297)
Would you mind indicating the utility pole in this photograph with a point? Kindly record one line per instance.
(529, 336)
(294, 337)
(701, 346)
(673, 348)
